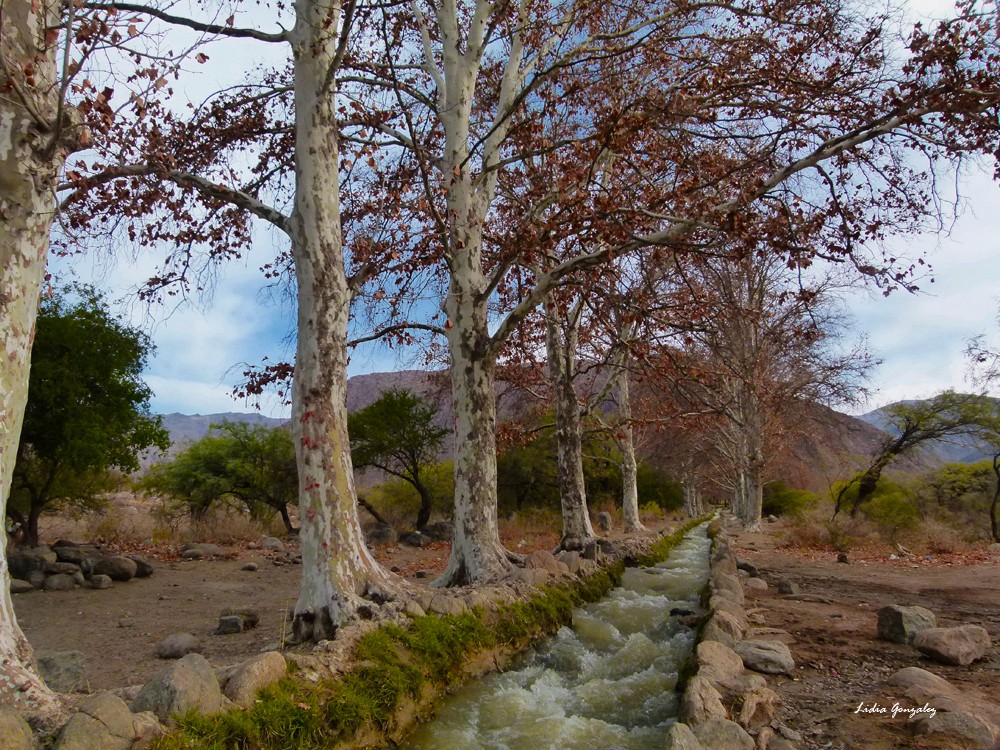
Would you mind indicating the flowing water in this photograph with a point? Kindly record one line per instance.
(607, 682)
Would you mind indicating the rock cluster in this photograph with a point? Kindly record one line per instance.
(65, 565)
(727, 703)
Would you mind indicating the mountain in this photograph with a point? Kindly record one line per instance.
(956, 449)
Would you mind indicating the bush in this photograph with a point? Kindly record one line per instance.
(782, 500)
(658, 489)
(893, 510)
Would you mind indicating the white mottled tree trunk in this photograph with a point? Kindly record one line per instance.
(561, 342)
(338, 572)
(32, 152)
(692, 500)
(476, 552)
(626, 446)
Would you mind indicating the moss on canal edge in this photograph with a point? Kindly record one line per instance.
(398, 675)
(400, 672)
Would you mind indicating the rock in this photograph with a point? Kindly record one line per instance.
(15, 733)
(177, 645)
(197, 551)
(381, 533)
(250, 615)
(995, 547)
(17, 586)
(143, 567)
(442, 531)
(755, 584)
(758, 707)
(717, 662)
(787, 587)
(51, 568)
(769, 657)
(78, 578)
(100, 581)
(842, 558)
(230, 624)
(422, 574)
(413, 609)
(901, 624)
(680, 737)
(250, 567)
(272, 542)
(721, 604)
(721, 734)
(604, 522)
(748, 567)
(701, 702)
(447, 605)
(104, 722)
(84, 555)
(413, 539)
(126, 622)
(531, 576)
(187, 684)
(62, 670)
(959, 724)
(22, 562)
(771, 519)
(147, 728)
(59, 582)
(118, 568)
(253, 676)
(542, 560)
(607, 547)
(591, 550)
(724, 628)
(725, 583)
(36, 578)
(956, 646)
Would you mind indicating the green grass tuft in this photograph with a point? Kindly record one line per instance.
(662, 548)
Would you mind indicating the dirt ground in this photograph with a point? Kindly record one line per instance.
(832, 628)
(840, 662)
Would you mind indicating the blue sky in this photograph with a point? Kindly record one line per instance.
(920, 337)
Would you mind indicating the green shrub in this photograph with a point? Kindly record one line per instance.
(782, 500)
(893, 510)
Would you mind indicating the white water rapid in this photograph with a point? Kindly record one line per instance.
(608, 682)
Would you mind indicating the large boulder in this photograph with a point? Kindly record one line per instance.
(17, 586)
(62, 670)
(272, 542)
(680, 737)
(103, 722)
(900, 624)
(723, 627)
(728, 585)
(200, 550)
(380, 533)
(189, 683)
(960, 725)
(143, 567)
(177, 645)
(604, 522)
(59, 582)
(543, 560)
(769, 657)
(721, 734)
(15, 733)
(253, 676)
(117, 568)
(717, 662)
(956, 646)
(701, 702)
(84, 555)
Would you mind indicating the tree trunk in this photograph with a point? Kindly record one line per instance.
(424, 513)
(31, 536)
(626, 445)
(283, 511)
(561, 339)
(476, 552)
(750, 497)
(337, 568)
(994, 521)
(692, 500)
(32, 152)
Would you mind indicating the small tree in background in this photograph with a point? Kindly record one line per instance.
(88, 408)
(252, 464)
(397, 435)
(910, 425)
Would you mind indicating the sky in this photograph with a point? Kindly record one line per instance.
(201, 344)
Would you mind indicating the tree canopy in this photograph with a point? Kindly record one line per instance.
(252, 464)
(88, 406)
(397, 435)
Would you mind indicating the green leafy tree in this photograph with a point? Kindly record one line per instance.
(988, 434)
(88, 407)
(397, 434)
(909, 425)
(252, 464)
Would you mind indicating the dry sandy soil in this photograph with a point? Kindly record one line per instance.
(832, 636)
(840, 661)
